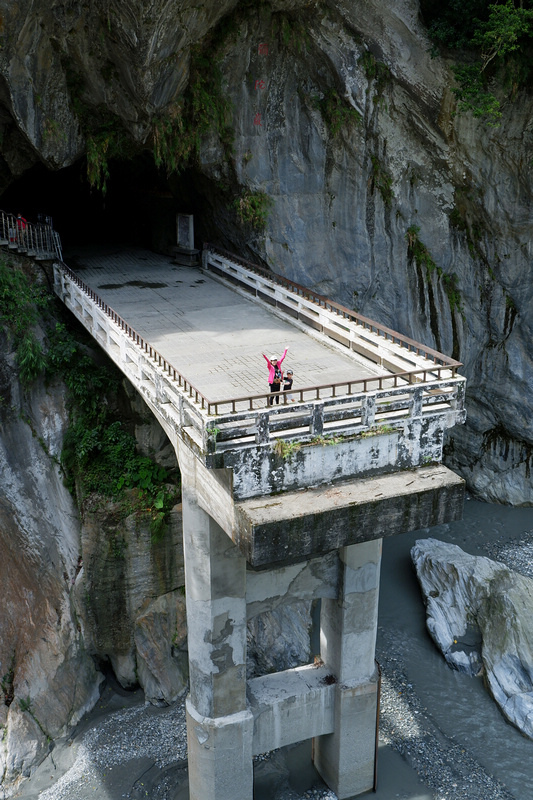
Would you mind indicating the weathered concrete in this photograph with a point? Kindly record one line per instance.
(220, 756)
(345, 758)
(292, 706)
(296, 525)
(348, 627)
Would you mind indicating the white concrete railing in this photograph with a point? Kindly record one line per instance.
(381, 345)
(364, 413)
(371, 405)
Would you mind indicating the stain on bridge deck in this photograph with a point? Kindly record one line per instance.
(211, 334)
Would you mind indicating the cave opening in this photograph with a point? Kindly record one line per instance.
(138, 209)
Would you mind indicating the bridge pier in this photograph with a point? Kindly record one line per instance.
(219, 725)
(348, 628)
(245, 557)
(224, 727)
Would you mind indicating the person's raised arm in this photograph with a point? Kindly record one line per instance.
(283, 356)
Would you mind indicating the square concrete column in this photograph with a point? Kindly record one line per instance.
(219, 726)
(348, 629)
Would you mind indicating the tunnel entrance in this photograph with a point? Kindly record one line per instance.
(138, 209)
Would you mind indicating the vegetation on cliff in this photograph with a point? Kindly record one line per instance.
(99, 452)
(493, 45)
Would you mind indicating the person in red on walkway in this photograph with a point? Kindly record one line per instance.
(21, 229)
(275, 375)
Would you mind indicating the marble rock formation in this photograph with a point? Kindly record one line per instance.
(48, 679)
(350, 125)
(480, 615)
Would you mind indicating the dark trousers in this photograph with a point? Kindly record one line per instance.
(274, 387)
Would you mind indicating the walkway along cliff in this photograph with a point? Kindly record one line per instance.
(280, 502)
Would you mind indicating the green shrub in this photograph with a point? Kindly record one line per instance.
(382, 180)
(492, 41)
(336, 112)
(253, 209)
(21, 304)
(99, 454)
(417, 250)
(203, 109)
(375, 71)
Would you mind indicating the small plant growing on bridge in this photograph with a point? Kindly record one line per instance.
(285, 449)
(377, 430)
(328, 438)
(212, 434)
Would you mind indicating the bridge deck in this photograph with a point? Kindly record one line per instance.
(210, 333)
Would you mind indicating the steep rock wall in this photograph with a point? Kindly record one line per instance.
(48, 678)
(345, 192)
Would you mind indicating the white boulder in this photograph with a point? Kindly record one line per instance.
(480, 615)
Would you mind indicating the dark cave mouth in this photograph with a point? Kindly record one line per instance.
(138, 209)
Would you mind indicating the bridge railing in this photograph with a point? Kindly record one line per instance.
(38, 240)
(380, 344)
(373, 404)
(366, 413)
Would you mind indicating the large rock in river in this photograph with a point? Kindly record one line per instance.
(480, 615)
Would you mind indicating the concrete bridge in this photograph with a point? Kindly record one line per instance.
(280, 502)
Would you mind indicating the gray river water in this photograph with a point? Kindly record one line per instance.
(459, 706)
(441, 737)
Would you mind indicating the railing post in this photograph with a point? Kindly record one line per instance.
(262, 433)
(205, 256)
(416, 402)
(316, 427)
(368, 410)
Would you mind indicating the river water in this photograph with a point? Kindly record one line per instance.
(459, 707)
(442, 737)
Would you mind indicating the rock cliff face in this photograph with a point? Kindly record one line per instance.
(343, 118)
(48, 678)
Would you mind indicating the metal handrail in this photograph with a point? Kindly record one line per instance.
(409, 378)
(37, 240)
(323, 302)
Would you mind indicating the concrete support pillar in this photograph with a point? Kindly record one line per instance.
(348, 627)
(219, 727)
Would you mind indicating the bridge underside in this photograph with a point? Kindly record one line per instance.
(297, 525)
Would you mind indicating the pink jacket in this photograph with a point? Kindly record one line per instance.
(271, 368)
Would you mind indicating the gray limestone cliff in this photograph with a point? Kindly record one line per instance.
(340, 114)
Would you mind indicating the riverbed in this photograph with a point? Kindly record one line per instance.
(441, 735)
